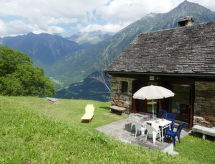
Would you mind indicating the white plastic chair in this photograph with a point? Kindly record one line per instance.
(132, 119)
(151, 130)
(139, 128)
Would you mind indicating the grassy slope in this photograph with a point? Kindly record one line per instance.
(27, 135)
(194, 148)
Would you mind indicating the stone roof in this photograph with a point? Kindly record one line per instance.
(189, 49)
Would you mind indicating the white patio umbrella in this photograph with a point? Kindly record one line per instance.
(152, 92)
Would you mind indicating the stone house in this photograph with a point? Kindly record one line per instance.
(181, 59)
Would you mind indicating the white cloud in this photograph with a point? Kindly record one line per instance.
(41, 10)
(49, 30)
(105, 28)
(18, 27)
(54, 16)
(13, 28)
(44, 15)
(131, 10)
(2, 28)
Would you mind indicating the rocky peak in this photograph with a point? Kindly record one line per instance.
(191, 7)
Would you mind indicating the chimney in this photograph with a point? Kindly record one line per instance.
(186, 21)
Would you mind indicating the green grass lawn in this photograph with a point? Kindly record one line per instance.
(195, 148)
(33, 130)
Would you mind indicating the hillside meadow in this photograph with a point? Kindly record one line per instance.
(33, 130)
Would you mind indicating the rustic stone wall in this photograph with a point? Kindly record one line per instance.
(204, 107)
(118, 98)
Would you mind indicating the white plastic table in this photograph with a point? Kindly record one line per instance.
(160, 123)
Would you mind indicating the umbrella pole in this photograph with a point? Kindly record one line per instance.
(152, 109)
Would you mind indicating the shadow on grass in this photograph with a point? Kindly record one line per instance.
(111, 111)
(116, 112)
(104, 107)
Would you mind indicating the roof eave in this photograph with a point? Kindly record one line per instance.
(164, 73)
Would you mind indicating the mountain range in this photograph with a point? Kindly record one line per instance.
(73, 64)
(43, 48)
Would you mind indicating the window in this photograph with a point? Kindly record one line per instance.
(124, 86)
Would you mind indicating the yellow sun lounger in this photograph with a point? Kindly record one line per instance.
(89, 113)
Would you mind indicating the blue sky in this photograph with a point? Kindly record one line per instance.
(67, 17)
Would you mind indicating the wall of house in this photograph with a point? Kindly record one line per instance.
(117, 97)
(204, 107)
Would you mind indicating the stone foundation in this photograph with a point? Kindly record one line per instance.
(118, 98)
(204, 107)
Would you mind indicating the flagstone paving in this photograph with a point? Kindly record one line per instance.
(120, 130)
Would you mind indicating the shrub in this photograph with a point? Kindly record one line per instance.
(18, 75)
